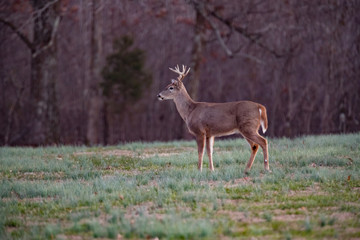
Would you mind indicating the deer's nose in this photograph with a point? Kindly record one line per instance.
(160, 97)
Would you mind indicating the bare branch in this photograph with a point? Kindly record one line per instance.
(218, 35)
(251, 57)
(51, 42)
(39, 11)
(199, 7)
(24, 38)
(253, 38)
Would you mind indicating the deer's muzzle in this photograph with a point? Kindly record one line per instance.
(160, 97)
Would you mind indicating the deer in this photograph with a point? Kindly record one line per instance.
(207, 120)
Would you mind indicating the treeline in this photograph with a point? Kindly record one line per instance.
(88, 72)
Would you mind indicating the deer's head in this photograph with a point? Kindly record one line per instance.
(173, 89)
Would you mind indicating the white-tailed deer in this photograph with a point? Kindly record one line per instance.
(209, 120)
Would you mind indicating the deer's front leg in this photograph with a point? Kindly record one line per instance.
(209, 150)
(200, 140)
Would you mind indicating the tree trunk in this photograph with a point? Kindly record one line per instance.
(197, 51)
(95, 127)
(95, 118)
(45, 120)
(197, 55)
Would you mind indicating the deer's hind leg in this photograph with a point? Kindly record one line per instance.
(254, 148)
(256, 138)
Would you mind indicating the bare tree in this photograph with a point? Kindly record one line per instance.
(95, 133)
(300, 59)
(43, 127)
(198, 48)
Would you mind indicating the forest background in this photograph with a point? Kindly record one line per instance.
(88, 72)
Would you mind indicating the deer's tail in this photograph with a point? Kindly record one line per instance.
(263, 118)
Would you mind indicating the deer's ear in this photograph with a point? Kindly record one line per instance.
(173, 81)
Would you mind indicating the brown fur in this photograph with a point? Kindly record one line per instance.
(208, 120)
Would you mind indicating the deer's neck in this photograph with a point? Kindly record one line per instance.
(184, 104)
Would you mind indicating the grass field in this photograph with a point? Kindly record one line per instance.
(153, 190)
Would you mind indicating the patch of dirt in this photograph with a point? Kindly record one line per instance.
(342, 216)
(34, 199)
(233, 215)
(70, 237)
(230, 184)
(132, 172)
(312, 190)
(234, 202)
(145, 209)
(239, 181)
(32, 176)
(126, 153)
(352, 230)
(315, 165)
(145, 153)
(289, 217)
(282, 215)
(240, 216)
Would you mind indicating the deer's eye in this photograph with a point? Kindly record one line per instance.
(171, 88)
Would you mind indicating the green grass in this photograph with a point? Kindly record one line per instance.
(149, 190)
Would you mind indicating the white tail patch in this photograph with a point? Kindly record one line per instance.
(262, 123)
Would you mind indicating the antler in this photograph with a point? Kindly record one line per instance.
(182, 74)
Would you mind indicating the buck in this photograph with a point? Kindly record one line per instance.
(209, 120)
